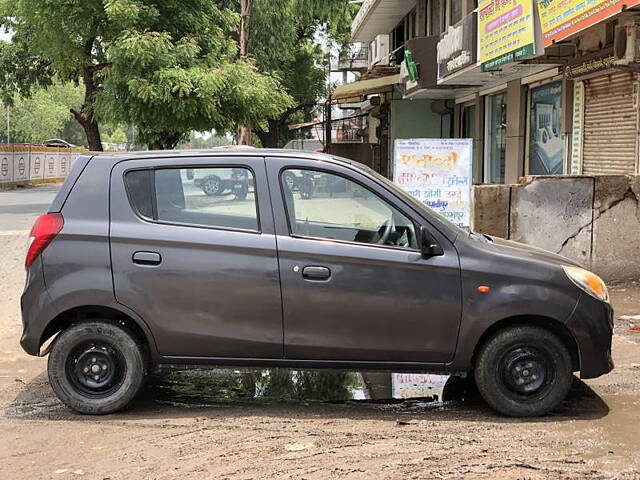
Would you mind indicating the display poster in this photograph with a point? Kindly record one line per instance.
(506, 32)
(560, 19)
(546, 144)
(437, 172)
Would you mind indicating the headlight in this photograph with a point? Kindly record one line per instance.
(588, 281)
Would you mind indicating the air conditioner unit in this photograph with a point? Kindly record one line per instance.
(626, 45)
(379, 51)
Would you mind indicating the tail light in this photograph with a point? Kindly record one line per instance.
(45, 229)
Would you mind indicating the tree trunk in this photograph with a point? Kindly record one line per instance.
(85, 115)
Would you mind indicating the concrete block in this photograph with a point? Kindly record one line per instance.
(490, 209)
(616, 229)
(554, 213)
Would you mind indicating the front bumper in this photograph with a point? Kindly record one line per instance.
(591, 324)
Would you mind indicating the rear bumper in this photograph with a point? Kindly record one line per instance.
(37, 309)
(591, 324)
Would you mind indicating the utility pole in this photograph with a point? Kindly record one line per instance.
(244, 131)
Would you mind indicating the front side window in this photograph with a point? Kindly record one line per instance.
(325, 205)
(219, 197)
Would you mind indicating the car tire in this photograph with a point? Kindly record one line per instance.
(523, 371)
(212, 185)
(96, 367)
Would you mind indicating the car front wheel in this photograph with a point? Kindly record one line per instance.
(96, 367)
(524, 371)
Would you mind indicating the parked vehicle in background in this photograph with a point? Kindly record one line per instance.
(305, 145)
(58, 142)
(133, 268)
(221, 181)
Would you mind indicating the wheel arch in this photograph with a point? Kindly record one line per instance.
(87, 313)
(550, 324)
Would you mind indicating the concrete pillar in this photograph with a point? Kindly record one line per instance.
(457, 116)
(478, 142)
(421, 18)
(516, 122)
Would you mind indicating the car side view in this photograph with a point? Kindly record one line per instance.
(320, 263)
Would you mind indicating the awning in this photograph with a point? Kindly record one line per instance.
(353, 92)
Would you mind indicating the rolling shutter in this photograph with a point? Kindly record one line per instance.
(610, 124)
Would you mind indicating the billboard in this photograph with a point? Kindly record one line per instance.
(437, 172)
(506, 32)
(546, 144)
(560, 19)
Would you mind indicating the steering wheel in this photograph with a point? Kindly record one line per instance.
(389, 226)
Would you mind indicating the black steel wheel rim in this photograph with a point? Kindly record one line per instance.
(526, 371)
(96, 368)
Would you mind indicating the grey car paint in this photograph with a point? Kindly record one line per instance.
(441, 335)
(215, 292)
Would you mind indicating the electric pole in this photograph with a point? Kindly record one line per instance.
(244, 131)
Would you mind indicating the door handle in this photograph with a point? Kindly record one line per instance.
(316, 273)
(147, 258)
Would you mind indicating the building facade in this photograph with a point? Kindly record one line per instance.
(542, 87)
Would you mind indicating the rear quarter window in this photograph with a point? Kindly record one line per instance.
(139, 188)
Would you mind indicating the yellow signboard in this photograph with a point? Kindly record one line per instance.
(506, 32)
(562, 18)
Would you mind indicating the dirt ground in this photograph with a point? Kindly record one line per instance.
(593, 435)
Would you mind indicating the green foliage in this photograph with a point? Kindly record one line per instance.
(284, 35)
(44, 115)
(167, 67)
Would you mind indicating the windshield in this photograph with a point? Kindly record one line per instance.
(416, 203)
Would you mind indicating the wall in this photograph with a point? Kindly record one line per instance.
(22, 164)
(414, 119)
(594, 220)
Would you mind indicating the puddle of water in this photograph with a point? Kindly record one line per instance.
(213, 386)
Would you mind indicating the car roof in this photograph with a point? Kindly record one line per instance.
(233, 150)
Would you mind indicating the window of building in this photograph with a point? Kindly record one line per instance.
(468, 121)
(329, 206)
(496, 138)
(436, 16)
(211, 197)
(546, 142)
(456, 9)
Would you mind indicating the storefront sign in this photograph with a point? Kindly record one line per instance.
(437, 172)
(506, 32)
(576, 128)
(602, 61)
(457, 46)
(546, 142)
(560, 19)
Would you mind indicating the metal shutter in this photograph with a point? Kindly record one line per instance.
(610, 124)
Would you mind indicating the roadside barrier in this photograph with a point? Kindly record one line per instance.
(24, 164)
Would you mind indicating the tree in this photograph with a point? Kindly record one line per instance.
(72, 38)
(284, 41)
(166, 67)
(43, 115)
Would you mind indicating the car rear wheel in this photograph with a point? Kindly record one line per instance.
(96, 367)
(212, 185)
(524, 371)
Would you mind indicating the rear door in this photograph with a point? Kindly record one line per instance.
(201, 269)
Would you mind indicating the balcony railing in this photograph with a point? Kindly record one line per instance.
(356, 58)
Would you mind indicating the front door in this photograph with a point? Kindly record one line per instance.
(355, 287)
(194, 254)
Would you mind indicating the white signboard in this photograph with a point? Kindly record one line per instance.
(437, 172)
(415, 385)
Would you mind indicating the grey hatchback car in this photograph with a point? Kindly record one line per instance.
(134, 267)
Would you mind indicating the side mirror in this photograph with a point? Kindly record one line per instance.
(428, 245)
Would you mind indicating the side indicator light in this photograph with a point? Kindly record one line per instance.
(484, 289)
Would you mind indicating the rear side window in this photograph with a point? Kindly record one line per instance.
(217, 197)
(139, 187)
